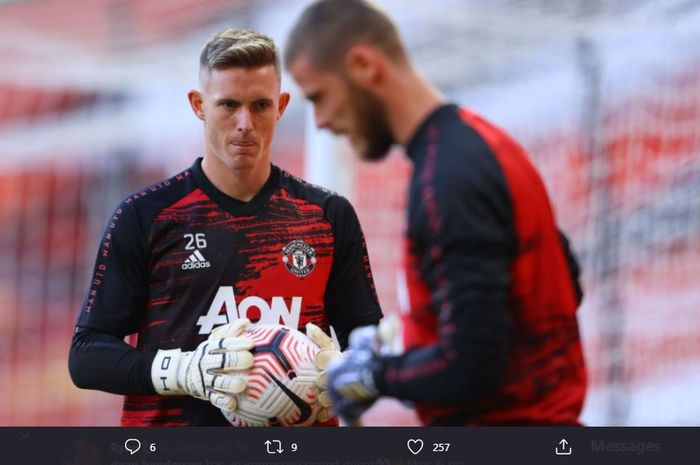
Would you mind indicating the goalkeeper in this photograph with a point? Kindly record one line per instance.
(184, 263)
(491, 331)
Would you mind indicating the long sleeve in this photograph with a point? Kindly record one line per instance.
(462, 241)
(101, 361)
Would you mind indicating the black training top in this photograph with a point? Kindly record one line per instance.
(180, 257)
(491, 334)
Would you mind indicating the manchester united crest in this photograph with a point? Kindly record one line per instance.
(299, 258)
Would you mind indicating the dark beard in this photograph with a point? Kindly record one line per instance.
(372, 124)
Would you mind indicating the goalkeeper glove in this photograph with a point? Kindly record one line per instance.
(351, 383)
(208, 372)
(329, 349)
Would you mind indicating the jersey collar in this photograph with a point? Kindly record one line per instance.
(234, 206)
(420, 135)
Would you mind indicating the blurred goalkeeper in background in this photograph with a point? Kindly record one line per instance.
(491, 336)
(186, 262)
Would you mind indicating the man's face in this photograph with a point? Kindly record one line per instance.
(345, 108)
(240, 108)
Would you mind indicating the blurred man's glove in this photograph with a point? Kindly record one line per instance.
(214, 371)
(329, 349)
(351, 377)
(389, 334)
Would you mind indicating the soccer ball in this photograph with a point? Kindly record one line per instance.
(281, 385)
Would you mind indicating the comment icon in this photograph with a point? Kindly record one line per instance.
(132, 445)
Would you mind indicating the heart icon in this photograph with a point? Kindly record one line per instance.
(415, 446)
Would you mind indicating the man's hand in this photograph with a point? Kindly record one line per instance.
(329, 349)
(351, 377)
(213, 371)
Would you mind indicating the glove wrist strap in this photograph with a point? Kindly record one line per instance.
(164, 372)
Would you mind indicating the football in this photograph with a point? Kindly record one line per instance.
(281, 384)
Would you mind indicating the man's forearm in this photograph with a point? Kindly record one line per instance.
(106, 363)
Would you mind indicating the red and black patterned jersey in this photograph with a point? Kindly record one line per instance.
(491, 334)
(180, 258)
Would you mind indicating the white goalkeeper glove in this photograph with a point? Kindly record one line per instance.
(329, 348)
(351, 384)
(213, 371)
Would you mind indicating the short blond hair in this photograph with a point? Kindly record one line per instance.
(243, 48)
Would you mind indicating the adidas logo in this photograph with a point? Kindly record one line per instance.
(196, 260)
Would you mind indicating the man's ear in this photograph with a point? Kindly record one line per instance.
(282, 105)
(195, 98)
(364, 65)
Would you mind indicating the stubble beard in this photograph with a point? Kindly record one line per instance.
(372, 123)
